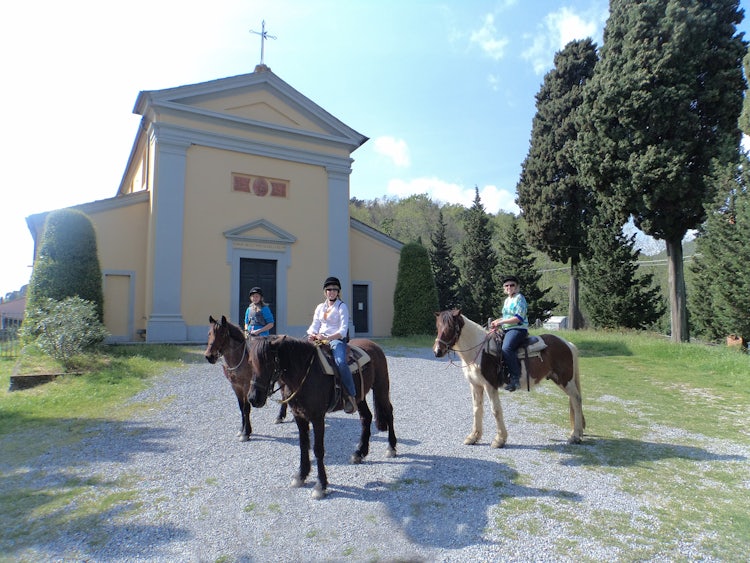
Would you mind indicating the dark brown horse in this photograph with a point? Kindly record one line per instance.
(557, 362)
(226, 340)
(311, 393)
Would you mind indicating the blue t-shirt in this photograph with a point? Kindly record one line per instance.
(258, 319)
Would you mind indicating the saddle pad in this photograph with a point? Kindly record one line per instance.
(356, 359)
(533, 344)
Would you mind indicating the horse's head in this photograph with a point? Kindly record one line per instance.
(448, 324)
(218, 338)
(264, 361)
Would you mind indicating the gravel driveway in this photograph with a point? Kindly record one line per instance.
(205, 496)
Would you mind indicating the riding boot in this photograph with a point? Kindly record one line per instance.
(350, 404)
(515, 383)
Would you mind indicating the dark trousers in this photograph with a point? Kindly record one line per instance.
(512, 341)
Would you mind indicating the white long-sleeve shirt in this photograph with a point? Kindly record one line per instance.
(330, 320)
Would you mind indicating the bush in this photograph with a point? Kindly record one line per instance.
(65, 329)
(415, 299)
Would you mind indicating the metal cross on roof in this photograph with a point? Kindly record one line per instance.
(263, 36)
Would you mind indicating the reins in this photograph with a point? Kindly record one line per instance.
(301, 383)
(242, 357)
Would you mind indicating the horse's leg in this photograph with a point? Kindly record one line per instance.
(282, 414)
(319, 428)
(365, 419)
(576, 412)
(303, 426)
(245, 430)
(477, 400)
(497, 411)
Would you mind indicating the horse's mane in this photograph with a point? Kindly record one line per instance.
(294, 352)
(235, 332)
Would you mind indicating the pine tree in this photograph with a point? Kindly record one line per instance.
(415, 298)
(515, 258)
(720, 302)
(615, 294)
(477, 265)
(661, 107)
(443, 268)
(67, 264)
(557, 207)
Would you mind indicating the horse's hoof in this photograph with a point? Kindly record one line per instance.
(239, 433)
(244, 438)
(575, 440)
(319, 493)
(496, 443)
(356, 459)
(471, 439)
(279, 420)
(297, 482)
(390, 452)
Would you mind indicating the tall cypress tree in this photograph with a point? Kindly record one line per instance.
(443, 268)
(615, 294)
(557, 207)
(662, 105)
(67, 264)
(477, 264)
(516, 258)
(415, 298)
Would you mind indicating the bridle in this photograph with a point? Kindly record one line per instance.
(228, 336)
(457, 330)
(276, 374)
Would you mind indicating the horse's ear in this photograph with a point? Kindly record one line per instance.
(223, 321)
(211, 319)
(456, 312)
(437, 314)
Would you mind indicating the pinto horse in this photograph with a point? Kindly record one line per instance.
(310, 391)
(227, 340)
(557, 362)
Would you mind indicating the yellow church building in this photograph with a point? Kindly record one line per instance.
(234, 183)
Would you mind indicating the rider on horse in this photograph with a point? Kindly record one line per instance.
(515, 323)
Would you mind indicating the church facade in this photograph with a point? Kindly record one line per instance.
(230, 184)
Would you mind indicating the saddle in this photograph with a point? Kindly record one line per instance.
(492, 366)
(356, 359)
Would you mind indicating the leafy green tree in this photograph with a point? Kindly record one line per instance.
(443, 268)
(65, 329)
(516, 258)
(67, 264)
(616, 295)
(662, 105)
(415, 299)
(720, 302)
(557, 207)
(477, 262)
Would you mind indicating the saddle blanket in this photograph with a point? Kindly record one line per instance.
(356, 359)
(533, 345)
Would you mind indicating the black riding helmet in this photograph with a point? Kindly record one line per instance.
(256, 289)
(332, 282)
(513, 279)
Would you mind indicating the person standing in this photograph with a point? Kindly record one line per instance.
(258, 316)
(515, 322)
(331, 323)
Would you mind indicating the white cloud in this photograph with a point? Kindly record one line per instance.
(395, 149)
(486, 38)
(493, 198)
(557, 30)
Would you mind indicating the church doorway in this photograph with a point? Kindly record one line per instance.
(261, 273)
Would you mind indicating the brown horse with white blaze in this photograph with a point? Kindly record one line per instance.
(558, 362)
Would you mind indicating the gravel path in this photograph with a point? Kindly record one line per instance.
(205, 496)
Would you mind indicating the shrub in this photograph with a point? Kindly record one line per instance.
(65, 329)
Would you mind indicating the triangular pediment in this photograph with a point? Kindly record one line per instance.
(258, 99)
(260, 231)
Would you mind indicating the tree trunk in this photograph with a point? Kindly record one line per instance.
(677, 294)
(575, 318)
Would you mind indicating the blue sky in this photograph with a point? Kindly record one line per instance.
(444, 90)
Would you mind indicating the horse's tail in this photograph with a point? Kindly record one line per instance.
(381, 389)
(576, 380)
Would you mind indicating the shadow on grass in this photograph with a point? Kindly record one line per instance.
(45, 499)
(599, 349)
